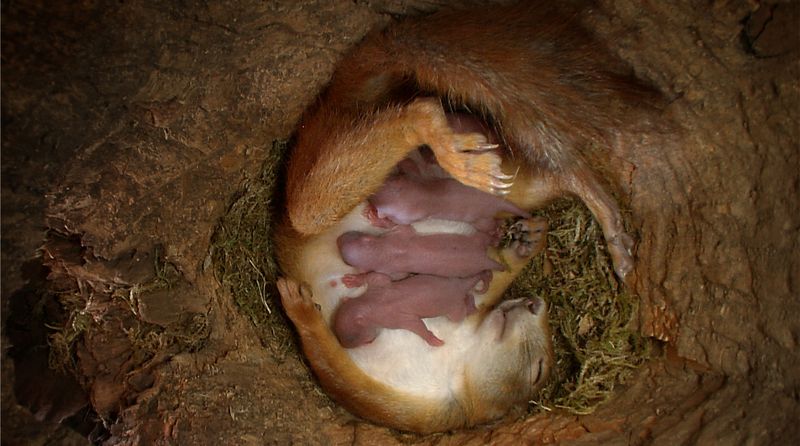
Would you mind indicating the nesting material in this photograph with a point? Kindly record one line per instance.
(590, 312)
(243, 255)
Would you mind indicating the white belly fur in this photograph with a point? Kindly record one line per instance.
(398, 358)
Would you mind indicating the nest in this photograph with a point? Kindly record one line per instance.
(595, 348)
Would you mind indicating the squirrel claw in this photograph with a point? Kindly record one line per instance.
(620, 247)
(487, 146)
(478, 170)
(502, 185)
(529, 236)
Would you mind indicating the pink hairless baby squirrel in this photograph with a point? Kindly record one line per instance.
(402, 251)
(416, 194)
(403, 200)
(403, 304)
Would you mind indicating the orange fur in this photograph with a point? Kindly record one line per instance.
(556, 101)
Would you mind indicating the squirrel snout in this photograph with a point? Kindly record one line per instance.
(534, 305)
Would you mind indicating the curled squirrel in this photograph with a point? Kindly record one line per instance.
(554, 99)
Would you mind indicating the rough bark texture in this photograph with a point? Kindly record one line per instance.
(128, 128)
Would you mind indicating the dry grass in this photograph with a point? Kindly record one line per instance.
(63, 337)
(86, 308)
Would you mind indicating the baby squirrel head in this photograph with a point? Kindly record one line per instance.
(351, 323)
(352, 245)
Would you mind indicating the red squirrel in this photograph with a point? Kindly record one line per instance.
(554, 100)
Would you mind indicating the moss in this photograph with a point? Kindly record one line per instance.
(589, 311)
(243, 255)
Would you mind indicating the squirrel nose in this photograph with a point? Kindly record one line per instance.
(534, 305)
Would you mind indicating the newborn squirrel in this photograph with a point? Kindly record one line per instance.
(403, 304)
(401, 251)
(553, 98)
(404, 200)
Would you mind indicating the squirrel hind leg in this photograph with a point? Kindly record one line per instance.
(545, 185)
(584, 184)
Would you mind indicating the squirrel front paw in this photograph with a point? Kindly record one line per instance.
(469, 157)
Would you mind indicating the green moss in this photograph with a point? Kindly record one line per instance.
(243, 255)
(589, 311)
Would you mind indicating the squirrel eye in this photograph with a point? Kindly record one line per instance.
(539, 371)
